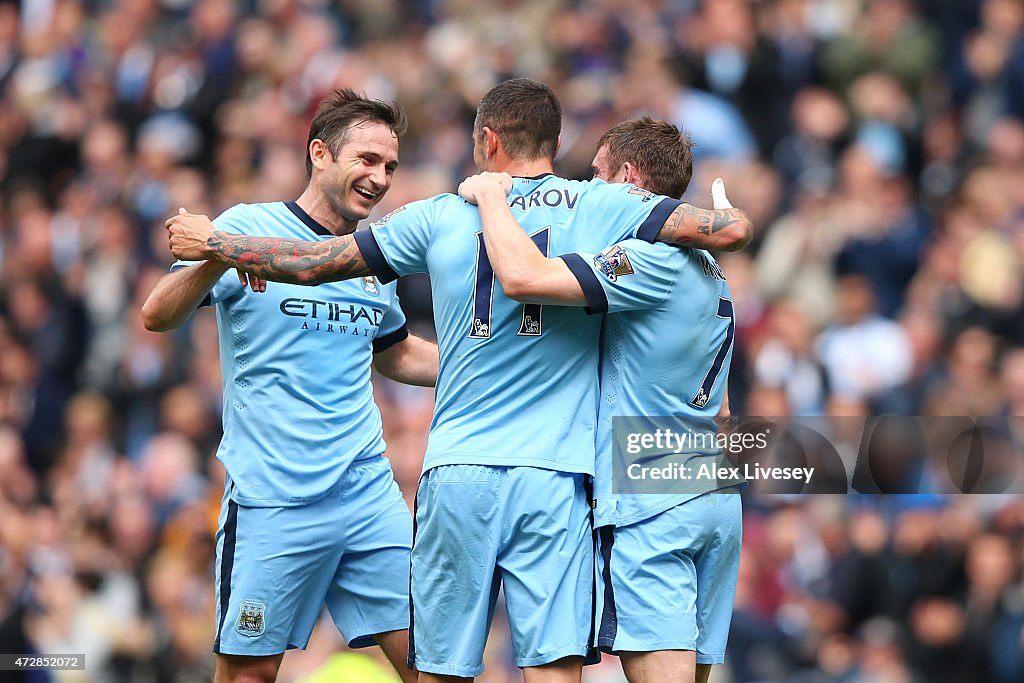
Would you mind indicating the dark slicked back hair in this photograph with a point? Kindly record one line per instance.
(526, 115)
(662, 154)
(343, 109)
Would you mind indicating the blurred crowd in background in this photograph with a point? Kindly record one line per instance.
(877, 144)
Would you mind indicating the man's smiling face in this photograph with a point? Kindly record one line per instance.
(360, 173)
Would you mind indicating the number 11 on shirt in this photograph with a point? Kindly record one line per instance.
(531, 324)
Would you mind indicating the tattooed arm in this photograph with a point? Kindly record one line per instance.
(194, 238)
(294, 261)
(723, 228)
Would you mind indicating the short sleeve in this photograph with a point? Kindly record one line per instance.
(627, 276)
(392, 328)
(397, 244)
(235, 220)
(627, 211)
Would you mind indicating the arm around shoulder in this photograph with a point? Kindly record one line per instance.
(716, 229)
(193, 237)
(526, 275)
(724, 228)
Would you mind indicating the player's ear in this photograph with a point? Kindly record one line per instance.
(491, 142)
(630, 174)
(318, 153)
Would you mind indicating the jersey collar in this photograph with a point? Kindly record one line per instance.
(534, 177)
(310, 222)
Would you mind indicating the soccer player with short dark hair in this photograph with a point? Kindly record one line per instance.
(669, 556)
(653, 155)
(502, 497)
(311, 512)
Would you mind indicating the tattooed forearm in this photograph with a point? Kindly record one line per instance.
(723, 229)
(294, 261)
(721, 219)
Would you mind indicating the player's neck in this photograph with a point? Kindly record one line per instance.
(525, 169)
(319, 209)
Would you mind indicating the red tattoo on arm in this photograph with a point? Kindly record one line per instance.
(294, 261)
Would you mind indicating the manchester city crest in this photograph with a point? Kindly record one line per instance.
(252, 618)
(371, 285)
(614, 263)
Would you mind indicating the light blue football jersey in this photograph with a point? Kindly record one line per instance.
(517, 383)
(666, 349)
(295, 363)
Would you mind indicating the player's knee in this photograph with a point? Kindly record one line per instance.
(661, 665)
(395, 645)
(564, 670)
(438, 678)
(254, 677)
(234, 669)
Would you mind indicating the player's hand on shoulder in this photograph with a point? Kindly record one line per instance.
(474, 187)
(504, 180)
(188, 235)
